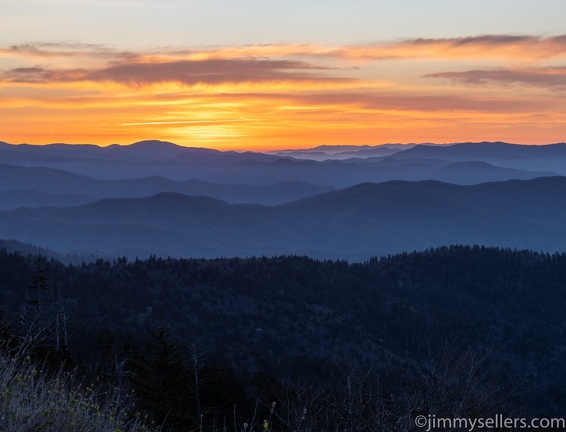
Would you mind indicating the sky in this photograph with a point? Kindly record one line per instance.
(270, 74)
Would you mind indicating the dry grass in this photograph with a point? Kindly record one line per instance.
(32, 400)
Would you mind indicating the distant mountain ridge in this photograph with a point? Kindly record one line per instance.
(551, 156)
(154, 197)
(141, 150)
(486, 162)
(354, 223)
(35, 186)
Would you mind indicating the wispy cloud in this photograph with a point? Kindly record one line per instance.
(520, 47)
(184, 122)
(513, 47)
(423, 102)
(188, 72)
(53, 50)
(61, 62)
(540, 77)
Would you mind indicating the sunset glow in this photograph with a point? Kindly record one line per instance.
(507, 87)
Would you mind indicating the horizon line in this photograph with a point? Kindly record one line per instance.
(288, 149)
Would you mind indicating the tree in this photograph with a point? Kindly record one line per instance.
(161, 382)
(45, 313)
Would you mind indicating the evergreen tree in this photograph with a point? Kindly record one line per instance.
(161, 383)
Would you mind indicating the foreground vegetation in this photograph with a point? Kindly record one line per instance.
(225, 344)
(34, 397)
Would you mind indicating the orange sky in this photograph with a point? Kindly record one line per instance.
(274, 96)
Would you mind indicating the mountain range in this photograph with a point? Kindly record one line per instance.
(354, 223)
(155, 197)
(455, 164)
(40, 186)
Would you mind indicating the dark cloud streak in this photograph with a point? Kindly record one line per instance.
(541, 77)
(186, 72)
(422, 102)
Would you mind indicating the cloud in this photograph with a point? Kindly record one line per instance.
(541, 77)
(65, 50)
(520, 47)
(281, 92)
(514, 47)
(209, 72)
(187, 72)
(28, 75)
(186, 123)
(423, 102)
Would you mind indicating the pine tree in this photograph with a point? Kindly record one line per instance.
(161, 382)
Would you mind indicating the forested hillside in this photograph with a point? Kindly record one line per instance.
(354, 223)
(303, 320)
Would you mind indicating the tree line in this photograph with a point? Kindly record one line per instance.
(306, 344)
